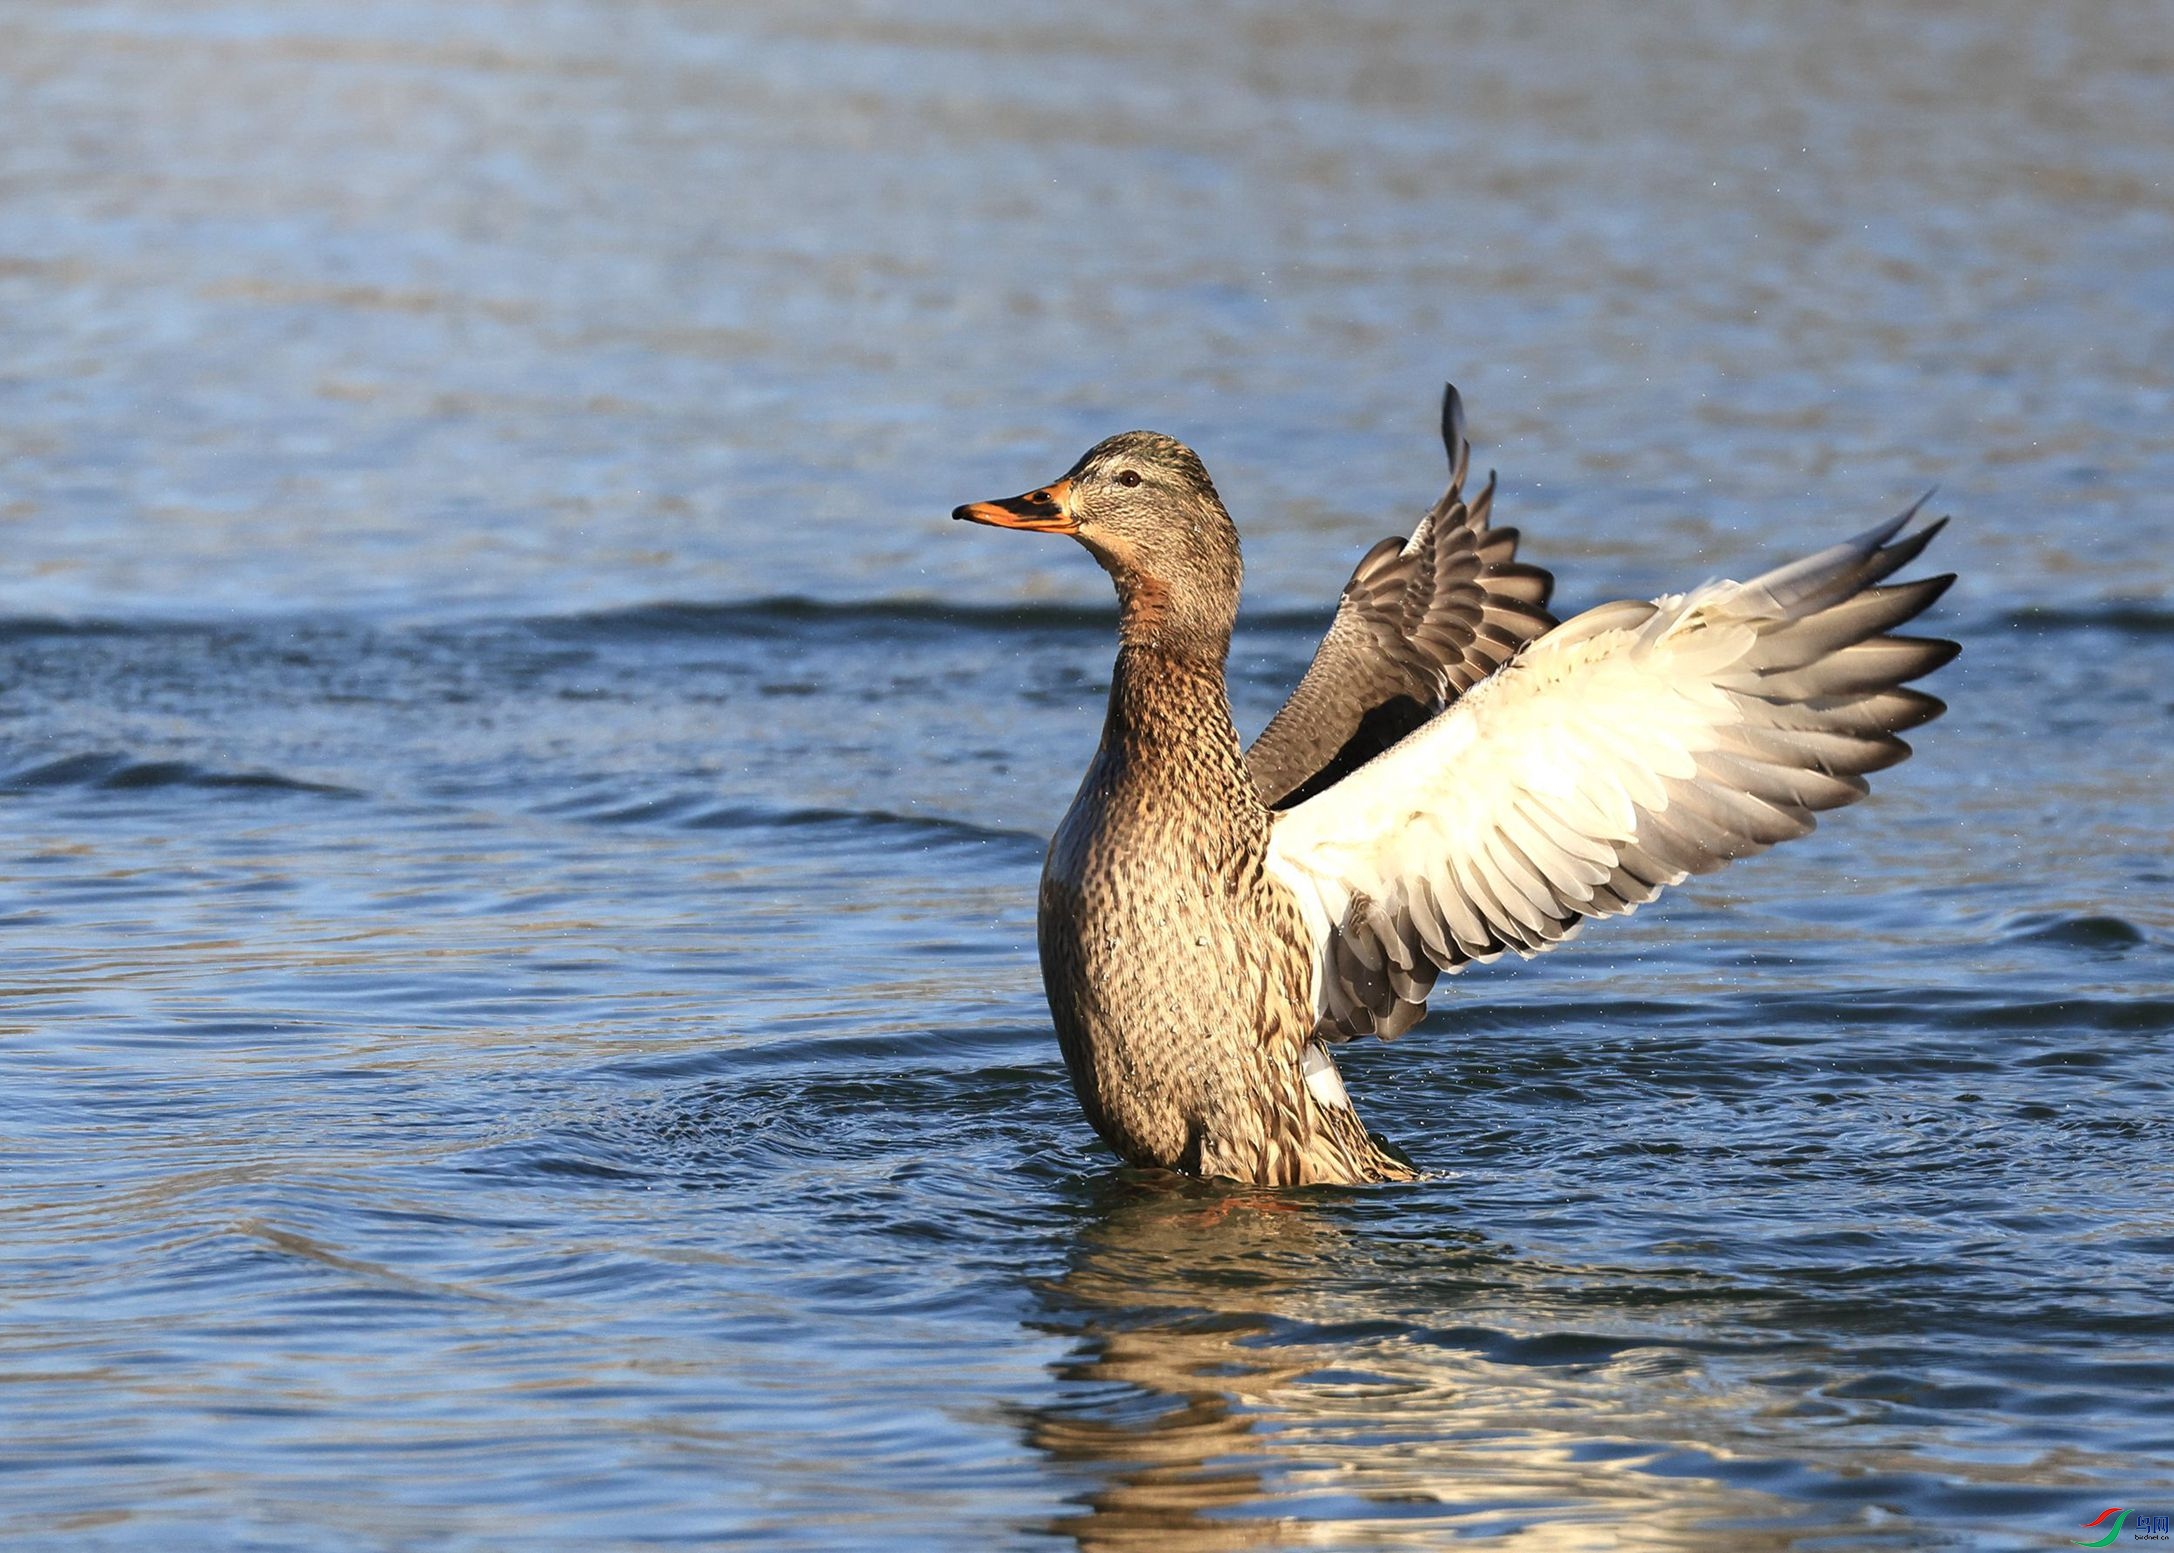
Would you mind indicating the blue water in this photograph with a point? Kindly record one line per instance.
(519, 814)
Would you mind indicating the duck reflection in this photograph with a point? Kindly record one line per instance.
(1182, 1297)
(1252, 1368)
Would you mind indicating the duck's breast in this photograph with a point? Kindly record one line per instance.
(1160, 952)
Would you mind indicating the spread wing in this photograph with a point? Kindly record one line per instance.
(1633, 746)
(1420, 622)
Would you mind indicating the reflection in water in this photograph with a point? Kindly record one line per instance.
(1254, 1369)
(1164, 1406)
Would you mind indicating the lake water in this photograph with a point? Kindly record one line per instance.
(519, 813)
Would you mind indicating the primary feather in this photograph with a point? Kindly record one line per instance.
(1628, 748)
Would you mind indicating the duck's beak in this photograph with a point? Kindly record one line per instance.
(1049, 510)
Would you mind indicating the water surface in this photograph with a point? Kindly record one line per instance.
(519, 816)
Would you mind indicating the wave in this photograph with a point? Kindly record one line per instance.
(699, 812)
(109, 772)
(27, 628)
(782, 614)
(779, 615)
(930, 827)
(2103, 933)
(775, 616)
(2136, 617)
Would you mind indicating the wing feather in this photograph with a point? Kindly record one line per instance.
(1629, 748)
(1421, 621)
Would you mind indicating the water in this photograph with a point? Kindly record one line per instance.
(518, 815)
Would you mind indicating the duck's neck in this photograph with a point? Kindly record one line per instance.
(1191, 624)
(1169, 724)
(1169, 727)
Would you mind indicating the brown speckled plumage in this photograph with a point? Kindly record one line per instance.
(1458, 776)
(1177, 970)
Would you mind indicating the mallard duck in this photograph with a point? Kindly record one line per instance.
(1456, 776)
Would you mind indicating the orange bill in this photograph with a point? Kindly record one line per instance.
(1048, 509)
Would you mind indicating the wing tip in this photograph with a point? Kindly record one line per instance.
(1877, 536)
(1936, 652)
(1454, 441)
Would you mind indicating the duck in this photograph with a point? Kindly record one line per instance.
(1457, 775)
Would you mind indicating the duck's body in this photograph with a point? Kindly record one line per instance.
(1176, 966)
(1199, 946)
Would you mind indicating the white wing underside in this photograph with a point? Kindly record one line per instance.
(1628, 748)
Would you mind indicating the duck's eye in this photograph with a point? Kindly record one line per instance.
(1128, 477)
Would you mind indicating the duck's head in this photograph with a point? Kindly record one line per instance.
(1143, 505)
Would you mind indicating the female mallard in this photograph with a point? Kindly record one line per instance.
(1455, 776)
